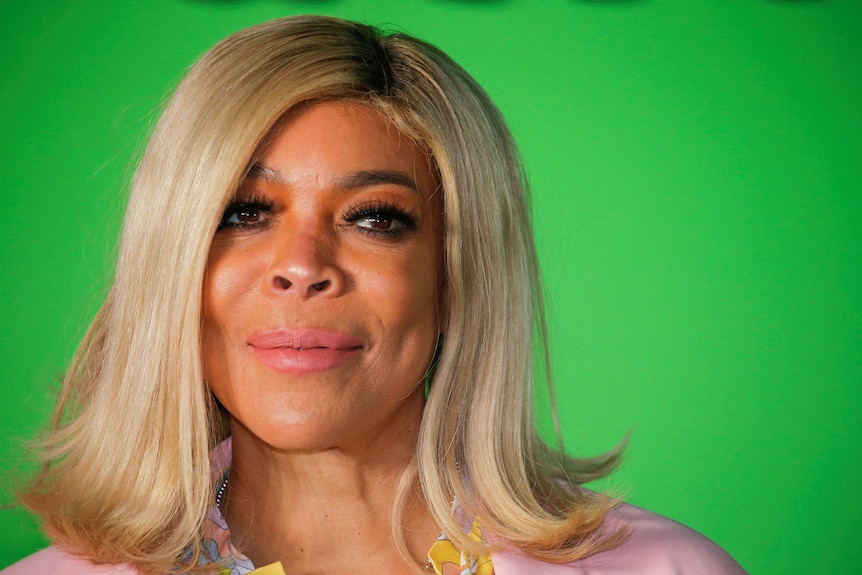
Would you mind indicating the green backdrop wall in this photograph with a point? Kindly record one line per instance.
(697, 177)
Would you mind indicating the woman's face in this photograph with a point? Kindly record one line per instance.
(323, 297)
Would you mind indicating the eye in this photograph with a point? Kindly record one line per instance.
(381, 219)
(377, 222)
(245, 214)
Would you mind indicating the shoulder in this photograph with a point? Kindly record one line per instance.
(54, 560)
(656, 546)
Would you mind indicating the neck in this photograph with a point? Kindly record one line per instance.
(324, 510)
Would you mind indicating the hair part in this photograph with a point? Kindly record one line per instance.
(126, 474)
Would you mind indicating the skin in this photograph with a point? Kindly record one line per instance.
(311, 241)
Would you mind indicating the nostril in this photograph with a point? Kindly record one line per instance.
(281, 283)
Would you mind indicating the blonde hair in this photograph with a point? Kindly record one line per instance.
(126, 476)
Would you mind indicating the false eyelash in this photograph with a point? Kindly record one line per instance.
(382, 208)
(257, 202)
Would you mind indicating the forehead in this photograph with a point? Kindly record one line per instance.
(338, 138)
(344, 120)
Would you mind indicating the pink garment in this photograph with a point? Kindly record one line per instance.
(54, 560)
(657, 546)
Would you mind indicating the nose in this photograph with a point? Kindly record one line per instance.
(304, 266)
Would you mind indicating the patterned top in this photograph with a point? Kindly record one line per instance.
(218, 549)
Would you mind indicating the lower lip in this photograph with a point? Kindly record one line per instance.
(293, 361)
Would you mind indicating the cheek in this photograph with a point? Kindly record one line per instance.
(404, 296)
(227, 283)
(230, 278)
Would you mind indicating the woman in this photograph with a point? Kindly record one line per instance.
(329, 226)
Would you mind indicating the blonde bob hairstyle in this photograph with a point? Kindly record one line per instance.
(126, 474)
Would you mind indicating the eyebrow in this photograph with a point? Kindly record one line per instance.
(351, 181)
(258, 172)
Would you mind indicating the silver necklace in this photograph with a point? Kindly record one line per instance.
(222, 487)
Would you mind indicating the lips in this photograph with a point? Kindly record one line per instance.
(303, 351)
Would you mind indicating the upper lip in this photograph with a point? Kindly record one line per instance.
(304, 338)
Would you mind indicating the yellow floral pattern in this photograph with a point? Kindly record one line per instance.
(273, 569)
(447, 560)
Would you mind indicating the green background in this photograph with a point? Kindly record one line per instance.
(697, 170)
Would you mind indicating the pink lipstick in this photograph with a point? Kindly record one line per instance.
(303, 351)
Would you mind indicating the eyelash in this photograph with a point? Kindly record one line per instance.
(382, 210)
(249, 204)
(378, 210)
